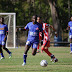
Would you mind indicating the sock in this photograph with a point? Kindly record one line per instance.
(38, 47)
(7, 50)
(2, 55)
(24, 57)
(52, 56)
(71, 46)
(46, 50)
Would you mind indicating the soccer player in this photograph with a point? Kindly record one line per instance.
(70, 33)
(3, 38)
(46, 41)
(33, 37)
(41, 35)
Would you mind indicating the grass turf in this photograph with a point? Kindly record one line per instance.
(33, 62)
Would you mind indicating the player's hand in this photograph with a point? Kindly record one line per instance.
(56, 34)
(18, 29)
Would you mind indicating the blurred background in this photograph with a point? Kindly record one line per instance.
(53, 12)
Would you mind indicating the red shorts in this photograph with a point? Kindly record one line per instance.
(46, 43)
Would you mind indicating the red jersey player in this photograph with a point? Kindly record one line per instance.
(46, 39)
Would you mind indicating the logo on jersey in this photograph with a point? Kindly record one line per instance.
(1, 32)
(2, 28)
(33, 33)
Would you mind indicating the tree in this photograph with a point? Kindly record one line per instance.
(55, 17)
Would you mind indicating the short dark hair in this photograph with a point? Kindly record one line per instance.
(35, 16)
(39, 16)
(2, 19)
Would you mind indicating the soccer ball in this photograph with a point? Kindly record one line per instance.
(43, 63)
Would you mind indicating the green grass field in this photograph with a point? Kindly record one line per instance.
(33, 62)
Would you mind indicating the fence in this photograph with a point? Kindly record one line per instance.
(21, 37)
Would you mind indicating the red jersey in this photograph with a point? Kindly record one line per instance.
(46, 34)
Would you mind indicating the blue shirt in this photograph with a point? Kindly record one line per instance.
(33, 33)
(3, 29)
(70, 25)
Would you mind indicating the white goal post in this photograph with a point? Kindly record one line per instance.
(10, 20)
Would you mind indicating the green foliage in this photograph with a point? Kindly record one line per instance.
(25, 10)
(62, 8)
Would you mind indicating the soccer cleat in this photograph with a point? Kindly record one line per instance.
(71, 52)
(2, 58)
(10, 55)
(52, 58)
(38, 51)
(23, 64)
(41, 51)
(55, 60)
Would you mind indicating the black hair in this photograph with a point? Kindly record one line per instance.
(39, 16)
(35, 17)
(2, 20)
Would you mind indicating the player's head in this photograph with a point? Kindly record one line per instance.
(71, 18)
(34, 19)
(1, 20)
(39, 20)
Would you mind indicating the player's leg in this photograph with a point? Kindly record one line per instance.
(7, 50)
(41, 45)
(70, 37)
(70, 45)
(4, 45)
(1, 52)
(27, 47)
(34, 48)
(38, 49)
(45, 48)
(25, 54)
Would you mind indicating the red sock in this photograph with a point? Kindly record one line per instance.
(38, 46)
(46, 50)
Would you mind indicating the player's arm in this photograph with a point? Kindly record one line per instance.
(22, 29)
(53, 29)
(25, 28)
(68, 28)
(6, 33)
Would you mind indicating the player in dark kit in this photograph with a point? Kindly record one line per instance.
(3, 38)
